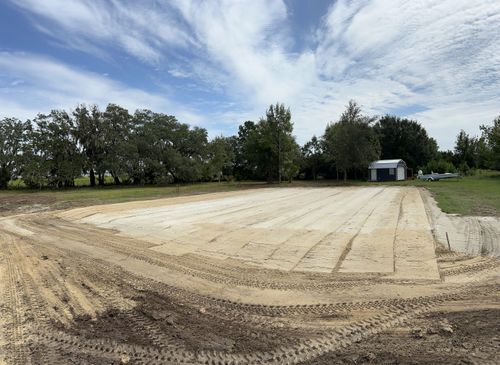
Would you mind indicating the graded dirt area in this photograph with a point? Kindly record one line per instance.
(352, 230)
(277, 275)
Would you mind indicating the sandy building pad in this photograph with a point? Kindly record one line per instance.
(415, 256)
(351, 230)
(372, 246)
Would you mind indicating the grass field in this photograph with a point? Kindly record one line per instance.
(471, 195)
(21, 199)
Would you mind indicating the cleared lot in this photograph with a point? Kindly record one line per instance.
(266, 276)
(351, 230)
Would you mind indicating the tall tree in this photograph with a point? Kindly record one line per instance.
(90, 134)
(313, 156)
(465, 151)
(191, 145)
(405, 139)
(491, 136)
(351, 142)
(279, 130)
(52, 153)
(117, 130)
(220, 158)
(268, 147)
(169, 150)
(245, 163)
(12, 138)
(155, 143)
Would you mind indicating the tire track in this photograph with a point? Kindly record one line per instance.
(110, 286)
(306, 350)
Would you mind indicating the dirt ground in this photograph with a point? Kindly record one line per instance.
(351, 230)
(283, 276)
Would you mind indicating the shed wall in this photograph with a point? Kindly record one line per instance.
(383, 175)
(401, 173)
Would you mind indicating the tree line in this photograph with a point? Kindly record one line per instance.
(350, 144)
(154, 148)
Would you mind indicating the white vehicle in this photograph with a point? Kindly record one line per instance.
(436, 177)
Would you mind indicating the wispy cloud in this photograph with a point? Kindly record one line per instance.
(40, 84)
(440, 56)
(142, 31)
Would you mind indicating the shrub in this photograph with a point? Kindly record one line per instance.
(439, 166)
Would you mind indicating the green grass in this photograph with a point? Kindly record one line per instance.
(109, 194)
(85, 181)
(17, 184)
(79, 182)
(471, 195)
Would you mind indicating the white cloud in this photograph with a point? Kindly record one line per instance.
(443, 56)
(49, 84)
(440, 55)
(448, 119)
(98, 26)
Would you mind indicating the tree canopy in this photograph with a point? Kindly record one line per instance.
(351, 142)
(405, 139)
(13, 136)
(147, 147)
(489, 149)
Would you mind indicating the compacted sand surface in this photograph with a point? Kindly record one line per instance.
(266, 276)
(374, 229)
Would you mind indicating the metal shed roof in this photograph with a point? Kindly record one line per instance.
(386, 164)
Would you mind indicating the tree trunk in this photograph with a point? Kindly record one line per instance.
(337, 171)
(92, 178)
(279, 167)
(101, 179)
(4, 178)
(175, 178)
(345, 176)
(279, 157)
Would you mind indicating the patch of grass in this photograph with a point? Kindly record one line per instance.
(470, 195)
(111, 194)
(85, 181)
(16, 184)
(114, 194)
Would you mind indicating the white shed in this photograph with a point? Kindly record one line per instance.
(387, 170)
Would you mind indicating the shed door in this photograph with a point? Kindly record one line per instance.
(373, 174)
(401, 173)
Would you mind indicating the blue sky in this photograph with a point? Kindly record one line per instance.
(218, 63)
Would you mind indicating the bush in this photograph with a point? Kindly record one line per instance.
(439, 166)
(465, 169)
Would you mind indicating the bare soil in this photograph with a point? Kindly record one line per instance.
(439, 337)
(72, 292)
(24, 203)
